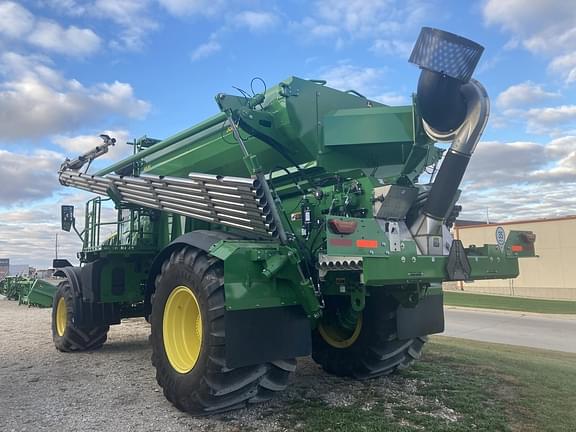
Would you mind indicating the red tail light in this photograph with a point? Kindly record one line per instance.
(372, 244)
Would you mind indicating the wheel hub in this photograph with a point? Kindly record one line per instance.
(182, 329)
(337, 336)
(61, 316)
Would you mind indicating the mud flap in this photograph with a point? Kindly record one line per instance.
(261, 335)
(427, 317)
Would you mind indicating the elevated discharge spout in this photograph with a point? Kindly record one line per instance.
(454, 108)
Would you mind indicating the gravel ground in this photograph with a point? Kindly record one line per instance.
(114, 388)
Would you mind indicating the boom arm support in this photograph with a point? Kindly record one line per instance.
(89, 156)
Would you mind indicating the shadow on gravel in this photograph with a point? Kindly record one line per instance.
(123, 346)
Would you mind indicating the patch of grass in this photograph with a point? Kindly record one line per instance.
(459, 385)
(484, 301)
(536, 386)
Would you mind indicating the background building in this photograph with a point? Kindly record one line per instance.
(19, 269)
(4, 267)
(551, 275)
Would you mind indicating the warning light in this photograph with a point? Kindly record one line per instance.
(372, 244)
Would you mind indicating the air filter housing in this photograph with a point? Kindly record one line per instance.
(446, 53)
(447, 62)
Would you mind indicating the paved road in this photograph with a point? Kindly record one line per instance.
(512, 328)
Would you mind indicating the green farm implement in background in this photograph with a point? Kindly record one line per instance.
(31, 292)
(300, 220)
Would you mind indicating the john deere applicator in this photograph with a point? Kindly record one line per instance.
(292, 223)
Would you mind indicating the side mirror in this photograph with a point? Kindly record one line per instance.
(67, 217)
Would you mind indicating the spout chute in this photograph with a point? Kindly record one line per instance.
(453, 106)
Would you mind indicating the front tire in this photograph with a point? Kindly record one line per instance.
(372, 349)
(66, 335)
(189, 341)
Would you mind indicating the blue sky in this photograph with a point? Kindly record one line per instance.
(72, 69)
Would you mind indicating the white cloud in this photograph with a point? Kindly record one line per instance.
(562, 147)
(72, 41)
(365, 80)
(383, 21)
(518, 180)
(519, 106)
(315, 29)
(522, 163)
(132, 18)
(496, 163)
(70, 7)
(255, 21)
(15, 20)
(519, 202)
(518, 15)
(565, 66)
(206, 49)
(523, 94)
(365, 17)
(392, 98)
(192, 7)
(18, 23)
(28, 176)
(28, 232)
(551, 120)
(392, 47)
(545, 27)
(37, 100)
(349, 77)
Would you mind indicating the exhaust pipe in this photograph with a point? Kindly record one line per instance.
(454, 108)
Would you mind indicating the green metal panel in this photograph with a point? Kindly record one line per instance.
(367, 229)
(410, 269)
(367, 137)
(245, 285)
(377, 125)
(40, 294)
(130, 271)
(294, 114)
(215, 120)
(263, 275)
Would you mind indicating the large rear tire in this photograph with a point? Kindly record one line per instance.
(189, 341)
(66, 335)
(372, 349)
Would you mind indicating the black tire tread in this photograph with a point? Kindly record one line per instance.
(377, 351)
(218, 388)
(75, 338)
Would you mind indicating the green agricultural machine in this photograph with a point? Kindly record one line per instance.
(292, 223)
(31, 292)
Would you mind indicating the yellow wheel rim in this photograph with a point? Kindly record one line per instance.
(339, 337)
(182, 329)
(61, 316)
